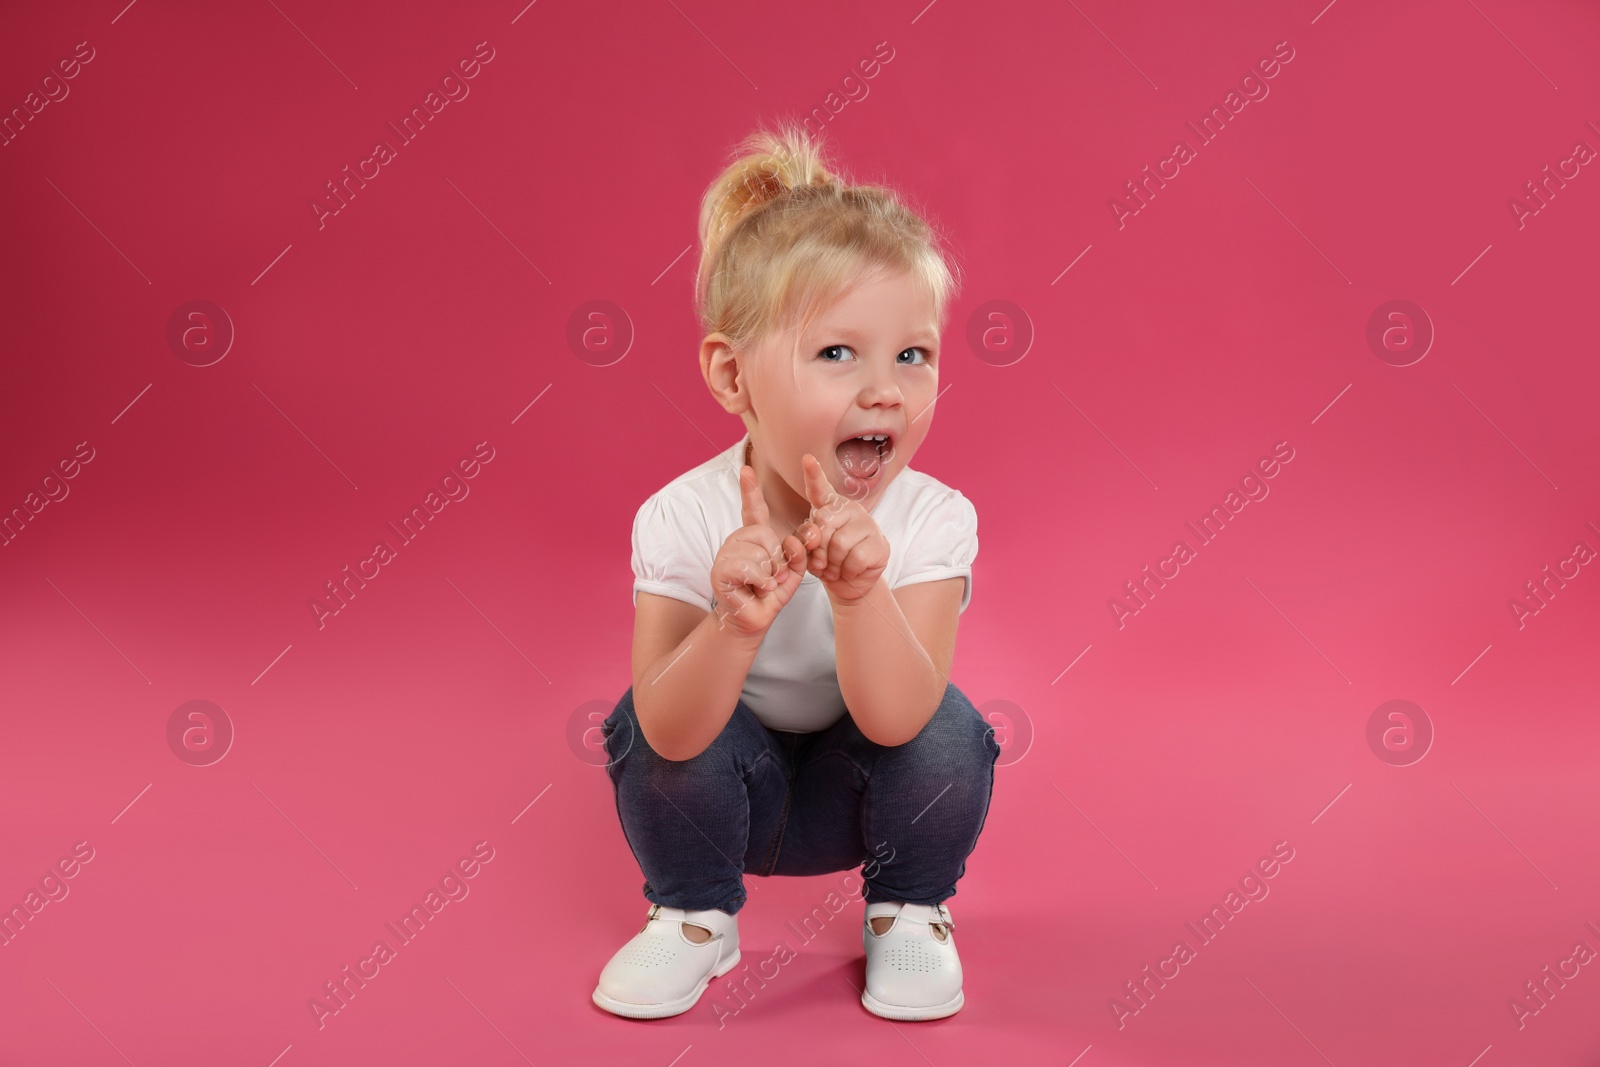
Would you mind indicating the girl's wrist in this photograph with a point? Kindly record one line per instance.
(859, 594)
(733, 637)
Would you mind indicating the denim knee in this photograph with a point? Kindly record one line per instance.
(741, 740)
(956, 736)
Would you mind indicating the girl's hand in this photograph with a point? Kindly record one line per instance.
(847, 550)
(755, 573)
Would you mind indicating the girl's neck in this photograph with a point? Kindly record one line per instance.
(783, 523)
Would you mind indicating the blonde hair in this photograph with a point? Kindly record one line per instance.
(782, 236)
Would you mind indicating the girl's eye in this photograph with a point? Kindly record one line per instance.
(825, 357)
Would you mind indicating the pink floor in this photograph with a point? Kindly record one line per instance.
(1402, 526)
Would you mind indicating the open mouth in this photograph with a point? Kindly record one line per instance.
(864, 458)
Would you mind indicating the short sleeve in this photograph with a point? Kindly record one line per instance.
(672, 552)
(943, 545)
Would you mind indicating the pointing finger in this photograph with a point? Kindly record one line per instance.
(753, 506)
(818, 489)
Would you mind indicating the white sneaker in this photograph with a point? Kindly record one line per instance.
(660, 972)
(911, 973)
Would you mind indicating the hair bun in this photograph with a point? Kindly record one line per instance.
(766, 165)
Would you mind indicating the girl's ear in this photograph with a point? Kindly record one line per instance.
(719, 365)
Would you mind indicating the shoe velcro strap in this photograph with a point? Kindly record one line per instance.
(719, 923)
(920, 913)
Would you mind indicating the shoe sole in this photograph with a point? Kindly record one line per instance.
(668, 1008)
(907, 1013)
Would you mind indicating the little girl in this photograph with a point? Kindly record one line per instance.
(796, 601)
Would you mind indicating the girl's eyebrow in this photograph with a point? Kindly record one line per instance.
(920, 336)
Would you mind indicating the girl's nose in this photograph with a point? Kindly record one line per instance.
(882, 387)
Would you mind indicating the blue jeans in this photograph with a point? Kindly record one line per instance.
(778, 802)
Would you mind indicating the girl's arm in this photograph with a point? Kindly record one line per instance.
(688, 675)
(894, 664)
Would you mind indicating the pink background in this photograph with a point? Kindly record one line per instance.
(1148, 765)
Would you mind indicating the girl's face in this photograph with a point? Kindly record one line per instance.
(867, 365)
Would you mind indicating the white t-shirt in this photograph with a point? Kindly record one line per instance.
(793, 685)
